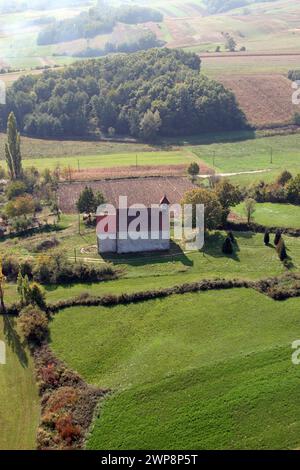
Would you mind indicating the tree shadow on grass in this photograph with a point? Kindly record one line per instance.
(244, 235)
(34, 231)
(288, 262)
(211, 138)
(142, 259)
(13, 339)
(69, 285)
(214, 243)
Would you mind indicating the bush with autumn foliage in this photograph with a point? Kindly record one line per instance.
(286, 189)
(68, 403)
(33, 324)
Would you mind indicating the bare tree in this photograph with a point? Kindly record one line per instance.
(249, 208)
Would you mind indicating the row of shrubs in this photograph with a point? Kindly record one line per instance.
(280, 288)
(257, 228)
(34, 327)
(56, 269)
(266, 286)
(285, 189)
(86, 300)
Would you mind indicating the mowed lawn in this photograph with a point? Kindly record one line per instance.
(272, 215)
(19, 401)
(190, 371)
(113, 160)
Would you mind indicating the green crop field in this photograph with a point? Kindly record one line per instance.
(238, 64)
(190, 371)
(273, 215)
(115, 160)
(19, 401)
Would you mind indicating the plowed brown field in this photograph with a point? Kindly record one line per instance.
(265, 99)
(145, 191)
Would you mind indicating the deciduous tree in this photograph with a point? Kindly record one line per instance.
(212, 206)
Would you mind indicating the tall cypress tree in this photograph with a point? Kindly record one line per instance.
(13, 150)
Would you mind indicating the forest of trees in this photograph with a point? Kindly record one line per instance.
(146, 41)
(97, 20)
(221, 6)
(159, 92)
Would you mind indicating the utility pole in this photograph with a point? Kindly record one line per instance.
(271, 156)
(75, 255)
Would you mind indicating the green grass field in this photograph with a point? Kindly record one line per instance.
(19, 401)
(191, 371)
(272, 215)
(46, 148)
(275, 153)
(252, 154)
(114, 160)
(217, 67)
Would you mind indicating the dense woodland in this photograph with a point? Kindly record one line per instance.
(146, 41)
(159, 92)
(95, 21)
(220, 6)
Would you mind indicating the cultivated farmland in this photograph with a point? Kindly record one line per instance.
(265, 99)
(140, 190)
(132, 171)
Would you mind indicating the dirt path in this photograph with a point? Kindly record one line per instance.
(237, 173)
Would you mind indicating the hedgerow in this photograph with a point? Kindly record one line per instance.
(56, 269)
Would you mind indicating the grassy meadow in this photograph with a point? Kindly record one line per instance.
(225, 153)
(190, 371)
(46, 148)
(19, 400)
(113, 160)
(273, 215)
(271, 154)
